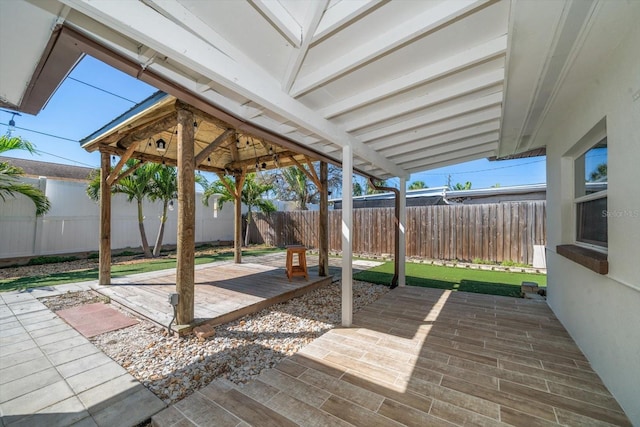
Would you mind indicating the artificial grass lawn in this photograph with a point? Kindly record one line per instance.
(457, 279)
(117, 270)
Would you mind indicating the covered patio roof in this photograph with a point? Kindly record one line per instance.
(407, 86)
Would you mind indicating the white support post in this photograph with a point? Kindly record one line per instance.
(347, 235)
(402, 247)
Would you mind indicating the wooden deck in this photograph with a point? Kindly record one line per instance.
(420, 357)
(224, 291)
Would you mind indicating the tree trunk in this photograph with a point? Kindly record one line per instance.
(163, 220)
(143, 235)
(246, 233)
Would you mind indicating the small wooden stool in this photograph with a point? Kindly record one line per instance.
(301, 268)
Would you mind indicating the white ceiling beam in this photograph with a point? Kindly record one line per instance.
(443, 139)
(314, 15)
(466, 87)
(454, 161)
(281, 20)
(451, 147)
(342, 14)
(448, 66)
(452, 158)
(143, 24)
(433, 117)
(182, 16)
(472, 119)
(423, 23)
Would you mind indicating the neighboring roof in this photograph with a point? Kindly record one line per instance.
(451, 194)
(36, 169)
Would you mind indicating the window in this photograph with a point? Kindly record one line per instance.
(591, 197)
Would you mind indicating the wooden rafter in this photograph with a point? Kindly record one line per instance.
(145, 157)
(215, 144)
(149, 129)
(251, 162)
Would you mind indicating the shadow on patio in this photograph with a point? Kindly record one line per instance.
(421, 356)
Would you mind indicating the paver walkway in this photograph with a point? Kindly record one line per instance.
(50, 375)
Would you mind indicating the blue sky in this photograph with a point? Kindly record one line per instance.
(77, 110)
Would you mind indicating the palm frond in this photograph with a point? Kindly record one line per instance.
(15, 143)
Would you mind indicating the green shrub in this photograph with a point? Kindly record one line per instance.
(126, 253)
(509, 263)
(93, 255)
(483, 261)
(40, 260)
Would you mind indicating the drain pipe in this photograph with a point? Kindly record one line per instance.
(396, 260)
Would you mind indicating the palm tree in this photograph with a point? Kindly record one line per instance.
(9, 175)
(465, 186)
(136, 186)
(252, 192)
(164, 188)
(417, 185)
(599, 174)
(299, 185)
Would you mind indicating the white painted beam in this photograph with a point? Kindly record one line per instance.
(347, 236)
(423, 23)
(492, 80)
(422, 120)
(402, 252)
(143, 24)
(312, 20)
(281, 20)
(451, 157)
(453, 161)
(471, 119)
(342, 14)
(431, 152)
(447, 66)
(182, 16)
(445, 139)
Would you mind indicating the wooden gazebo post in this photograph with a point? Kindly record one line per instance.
(104, 274)
(185, 274)
(323, 224)
(237, 218)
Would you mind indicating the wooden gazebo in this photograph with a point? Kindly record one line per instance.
(163, 129)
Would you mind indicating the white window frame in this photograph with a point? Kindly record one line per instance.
(590, 141)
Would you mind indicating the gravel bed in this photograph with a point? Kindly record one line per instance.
(173, 368)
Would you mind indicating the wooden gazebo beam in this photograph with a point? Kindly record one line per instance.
(202, 155)
(147, 130)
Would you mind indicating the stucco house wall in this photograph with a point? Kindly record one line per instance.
(601, 312)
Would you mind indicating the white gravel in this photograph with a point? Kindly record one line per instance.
(173, 368)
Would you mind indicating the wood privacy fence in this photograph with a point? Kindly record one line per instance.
(494, 232)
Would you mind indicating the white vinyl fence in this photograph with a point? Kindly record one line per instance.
(73, 223)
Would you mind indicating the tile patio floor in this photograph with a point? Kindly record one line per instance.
(50, 375)
(420, 357)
